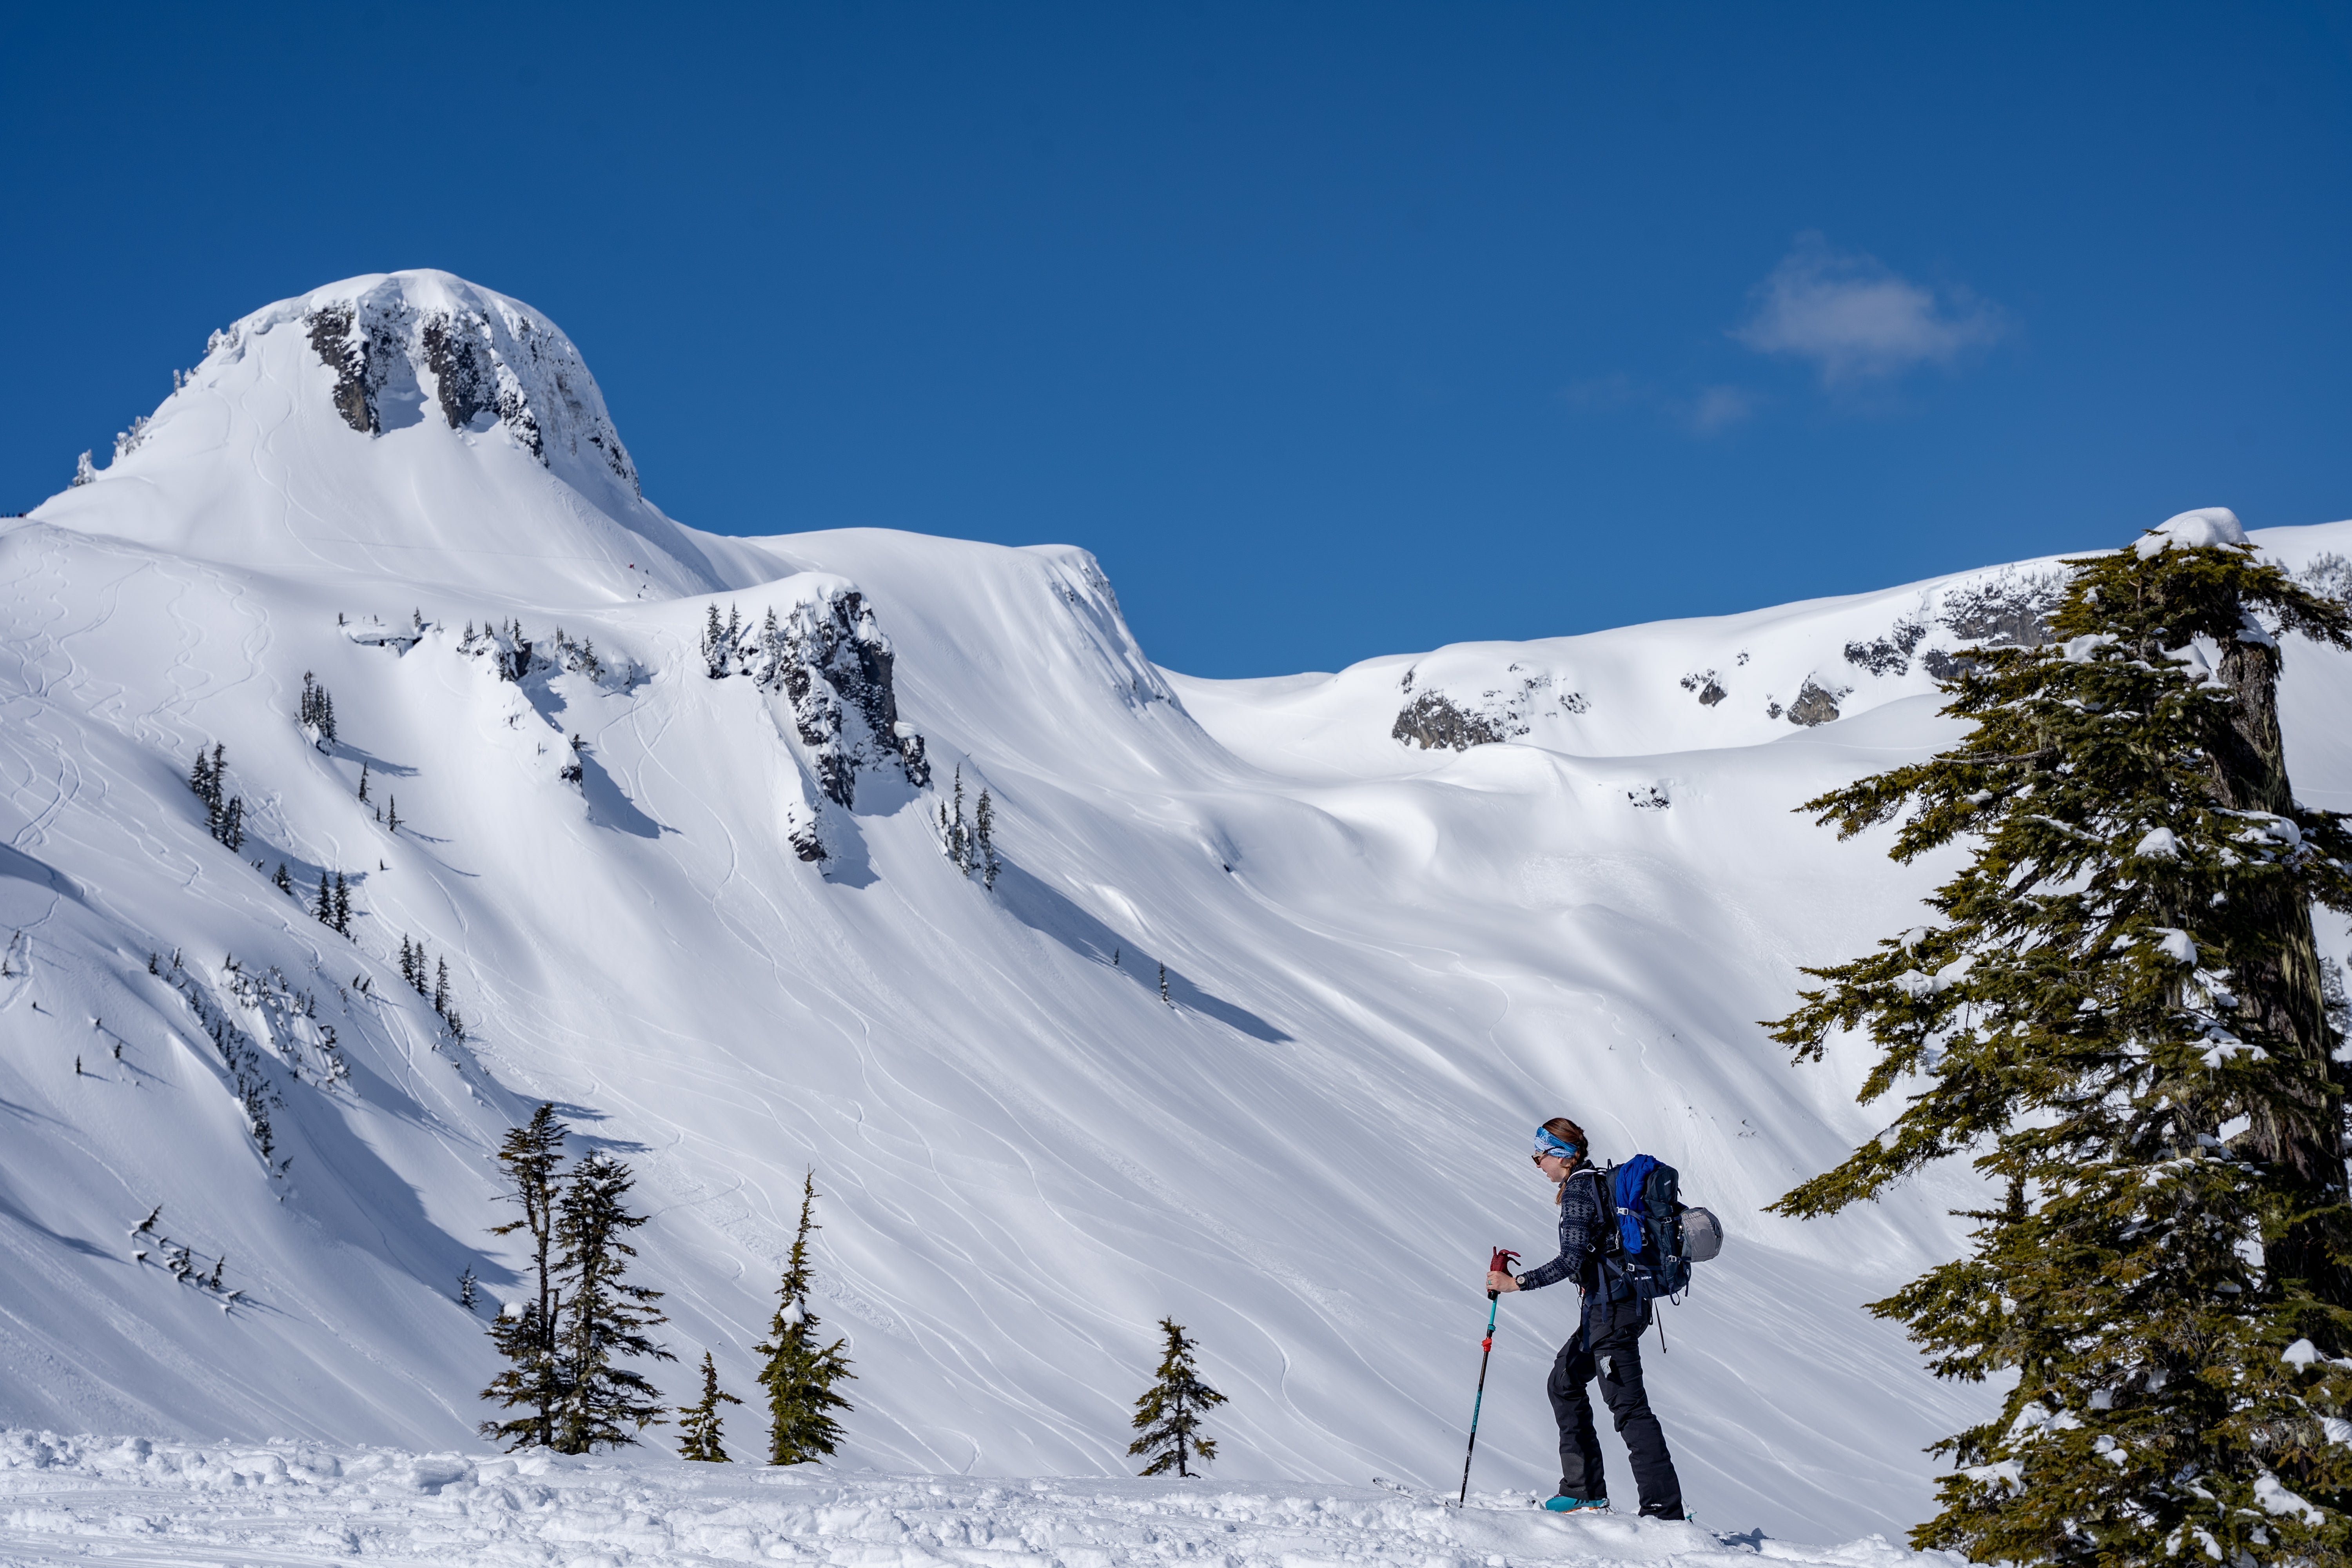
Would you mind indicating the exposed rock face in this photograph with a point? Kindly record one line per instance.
(1891, 654)
(346, 352)
(1710, 691)
(1431, 720)
(1499, 712)
(830, 661)
(1814, 705)
(2012, 610)
(485, 362)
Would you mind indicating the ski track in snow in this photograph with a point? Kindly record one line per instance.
(140, 1502)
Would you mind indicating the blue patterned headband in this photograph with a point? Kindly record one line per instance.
(1551, 1143)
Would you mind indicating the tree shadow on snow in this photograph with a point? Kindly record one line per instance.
(609, 806)
(9, 1209)
(1041, 908)
(373, 763)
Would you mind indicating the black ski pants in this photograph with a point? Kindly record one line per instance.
(1613, 1353)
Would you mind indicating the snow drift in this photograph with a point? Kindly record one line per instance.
(692, 888)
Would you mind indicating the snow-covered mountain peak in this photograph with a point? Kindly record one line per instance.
(407, 347)
(409, 423)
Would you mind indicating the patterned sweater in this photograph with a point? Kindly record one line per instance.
(1580, 1228)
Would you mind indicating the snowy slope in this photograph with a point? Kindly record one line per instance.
(1385, 959)
(138, 1501)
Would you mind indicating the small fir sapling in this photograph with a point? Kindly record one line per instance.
(533, 1381)
(955, 834)
(605, 1317)
(342, 905)
(392, 813)
(468, 1288)
(281, 881)
(985, 839)
(1169, 1413)
(1163, 986)
(714, 642)
(441, 987)
(322, 908)
(699, 1424)
(798, 1376)
(363, 782)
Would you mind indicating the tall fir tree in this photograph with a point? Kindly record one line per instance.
(799, 1375)
(2118, 1011)
(605, 1318)
(1169, 1414)
(700, 1422)
(525, 1332)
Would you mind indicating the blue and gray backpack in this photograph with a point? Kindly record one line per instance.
(1649, 1237)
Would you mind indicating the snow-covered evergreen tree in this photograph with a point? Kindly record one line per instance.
(605, 1317)
(983, 834)
(798, 1374)
(1169, 1413)
(525, 1332)
(717, 649)
(317, 715)
(699, 1424)
(955, 833)
(2119, 1011)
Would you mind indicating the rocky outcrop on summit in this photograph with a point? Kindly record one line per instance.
(486, 361)
(827, 659)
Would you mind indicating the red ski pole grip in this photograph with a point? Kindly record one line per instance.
(1502, 1260)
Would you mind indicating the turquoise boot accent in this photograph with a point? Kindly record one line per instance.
(1577, 1504)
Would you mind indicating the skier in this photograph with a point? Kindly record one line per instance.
(1607, 1342)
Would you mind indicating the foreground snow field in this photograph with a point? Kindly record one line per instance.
(1250, 1029)
(134, 1502)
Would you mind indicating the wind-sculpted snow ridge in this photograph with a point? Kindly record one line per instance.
(68, 1499)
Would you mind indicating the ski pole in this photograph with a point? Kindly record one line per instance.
(1501, 1262)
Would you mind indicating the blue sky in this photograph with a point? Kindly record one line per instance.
(1333, 329)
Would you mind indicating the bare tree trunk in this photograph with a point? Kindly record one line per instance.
(2279, 989)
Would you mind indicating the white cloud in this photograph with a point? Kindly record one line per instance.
(1720, 407)
(1858, 320)
(1709, 412)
